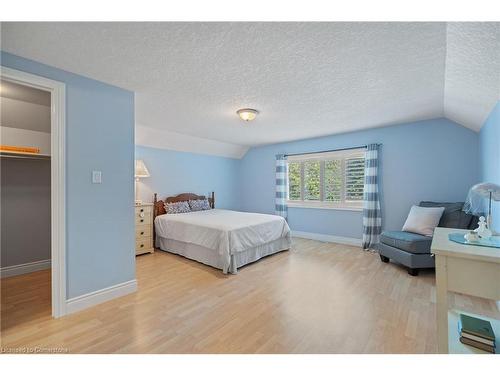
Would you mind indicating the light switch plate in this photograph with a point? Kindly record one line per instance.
(96, 177)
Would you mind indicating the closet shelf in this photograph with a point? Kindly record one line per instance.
(23, 155)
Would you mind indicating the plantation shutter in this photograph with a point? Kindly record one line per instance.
(354, 178)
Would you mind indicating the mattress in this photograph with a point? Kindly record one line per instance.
(225, 232)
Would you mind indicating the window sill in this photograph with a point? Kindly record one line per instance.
(322, 206)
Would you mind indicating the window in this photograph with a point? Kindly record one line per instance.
(327, 180)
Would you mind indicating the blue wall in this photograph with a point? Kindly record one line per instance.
(174, 172)
(489, 145)
(429, 160)
(100, 218)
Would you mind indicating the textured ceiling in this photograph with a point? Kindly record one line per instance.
(306, 79)
(472, 84)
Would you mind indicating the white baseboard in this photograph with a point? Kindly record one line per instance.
(327, 238)
(99, 296)
(20, 269)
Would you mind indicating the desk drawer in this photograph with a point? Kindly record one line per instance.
(474, 277)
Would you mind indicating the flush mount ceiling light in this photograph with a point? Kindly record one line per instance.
(247, 114)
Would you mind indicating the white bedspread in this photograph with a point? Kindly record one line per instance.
(224, 231)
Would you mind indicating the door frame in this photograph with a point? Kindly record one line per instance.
(57, 180)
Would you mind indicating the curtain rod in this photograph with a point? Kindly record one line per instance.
(337, 149)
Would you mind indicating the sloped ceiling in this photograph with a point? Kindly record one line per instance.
(472, 81)
(306, 79)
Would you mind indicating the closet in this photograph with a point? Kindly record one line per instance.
(25, 148)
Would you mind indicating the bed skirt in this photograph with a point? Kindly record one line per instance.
(210, 257)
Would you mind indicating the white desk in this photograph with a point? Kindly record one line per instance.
(466, 269)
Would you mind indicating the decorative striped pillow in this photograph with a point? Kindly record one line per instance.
(177, 207)
(199, 205)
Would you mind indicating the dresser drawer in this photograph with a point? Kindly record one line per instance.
(146, 220)
(145, 209)
(143, 245)
(143, 231)
(143, 212)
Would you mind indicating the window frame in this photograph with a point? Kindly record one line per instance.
(322, 157)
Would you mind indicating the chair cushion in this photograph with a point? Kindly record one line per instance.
(410, 242)
(453, 216)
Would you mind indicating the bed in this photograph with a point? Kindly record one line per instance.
(223, 239)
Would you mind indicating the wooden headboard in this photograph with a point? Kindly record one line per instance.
(159, 205)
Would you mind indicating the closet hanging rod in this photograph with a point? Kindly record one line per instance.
(10, 155)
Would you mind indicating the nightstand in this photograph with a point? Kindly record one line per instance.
(144, 228)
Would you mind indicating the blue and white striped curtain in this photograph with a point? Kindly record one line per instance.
(281, 207)
(372, 220)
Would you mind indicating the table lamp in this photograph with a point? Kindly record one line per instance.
(479, 201)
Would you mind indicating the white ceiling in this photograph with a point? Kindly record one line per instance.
(306, 79)
(472, 84)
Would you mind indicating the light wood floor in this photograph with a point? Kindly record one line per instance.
(316, 298)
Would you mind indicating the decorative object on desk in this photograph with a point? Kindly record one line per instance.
(479, 200)
(471, 236)
(140, 172)
(493, 241)
(482, 229)
(477, 333)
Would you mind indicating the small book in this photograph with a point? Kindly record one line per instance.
(476, 327)
(475, 344)
(477, 338)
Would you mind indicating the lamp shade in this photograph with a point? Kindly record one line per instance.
(477, 202)
(140, 169)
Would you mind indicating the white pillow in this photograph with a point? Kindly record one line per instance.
(423, 220)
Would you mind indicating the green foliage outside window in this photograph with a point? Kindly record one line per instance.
(333, 180)
(336, 181)
(312, 180)
(294, 181)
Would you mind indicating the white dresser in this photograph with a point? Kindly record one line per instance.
(144, 228)
(466, 269)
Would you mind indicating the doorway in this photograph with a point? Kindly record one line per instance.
(51, 151)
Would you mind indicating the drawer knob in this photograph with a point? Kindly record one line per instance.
(142, 209)
(142, 220)
(142, 233)
(142, 245)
